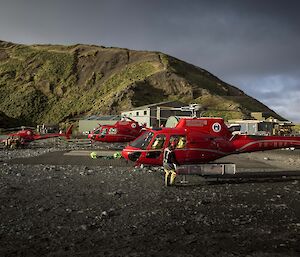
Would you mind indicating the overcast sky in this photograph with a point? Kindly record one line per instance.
(251, 44)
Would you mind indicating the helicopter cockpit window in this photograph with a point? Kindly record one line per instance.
(158, 142)
(112, 131)
(143, 141)
(181, 141)
(104, 132)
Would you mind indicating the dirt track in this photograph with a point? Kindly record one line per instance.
(101, 209)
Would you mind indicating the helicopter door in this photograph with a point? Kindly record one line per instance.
(156, 148)
(181, 152)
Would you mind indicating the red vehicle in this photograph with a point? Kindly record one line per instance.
(200, 140)
(121, 131)
(26, 136)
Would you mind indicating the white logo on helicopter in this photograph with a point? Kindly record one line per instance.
(216, 127)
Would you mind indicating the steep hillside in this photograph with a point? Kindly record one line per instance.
(53, 83)
(6, 121)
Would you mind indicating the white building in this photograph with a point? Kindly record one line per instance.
(155, 115)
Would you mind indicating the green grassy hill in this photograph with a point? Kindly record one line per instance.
(296, 128)
(54, 83)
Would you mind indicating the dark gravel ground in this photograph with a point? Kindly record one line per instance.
(113, 209)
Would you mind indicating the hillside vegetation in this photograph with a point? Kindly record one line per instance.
(54, 83)
(296, 128)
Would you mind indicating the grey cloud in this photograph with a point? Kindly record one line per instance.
(280, 93)
(244, 43)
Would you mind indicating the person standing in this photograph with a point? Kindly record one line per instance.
(169, 164)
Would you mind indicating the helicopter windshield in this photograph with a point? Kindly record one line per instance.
(143, 141)
(97, 131)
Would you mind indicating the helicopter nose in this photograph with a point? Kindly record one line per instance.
(131, 155)
(91, 136)
(125, 154)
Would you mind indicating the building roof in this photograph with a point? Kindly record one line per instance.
(249, 121)
(165, 103)
(108, 117)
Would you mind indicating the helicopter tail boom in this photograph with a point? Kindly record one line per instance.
(252, 143)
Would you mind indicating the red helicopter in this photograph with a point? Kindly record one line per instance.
(25, 136)
(121, 131)
(200, 140)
